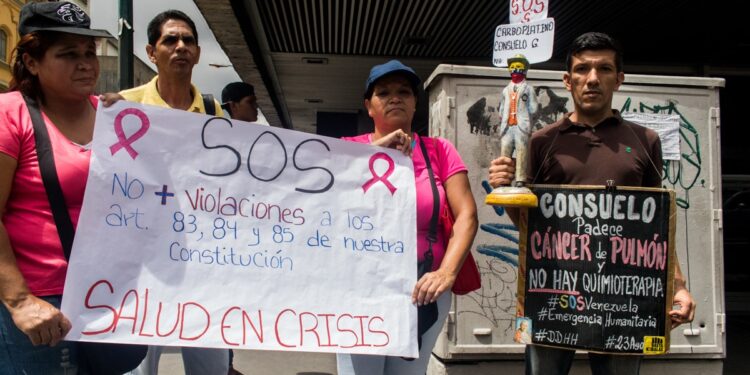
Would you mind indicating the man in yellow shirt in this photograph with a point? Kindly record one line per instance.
(173, 47)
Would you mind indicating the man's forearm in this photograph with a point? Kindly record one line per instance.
(679, 278)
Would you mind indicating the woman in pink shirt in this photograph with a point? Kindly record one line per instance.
(390, 100)
(55, 65)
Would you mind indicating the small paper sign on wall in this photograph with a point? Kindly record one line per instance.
(201, 231)
(596, 269)
(667, 126)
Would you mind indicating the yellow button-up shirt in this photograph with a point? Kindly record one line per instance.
(148, 94)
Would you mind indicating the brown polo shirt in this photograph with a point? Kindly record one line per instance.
(614, 149)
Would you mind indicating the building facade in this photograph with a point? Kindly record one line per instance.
(107, 50)
(9, 11)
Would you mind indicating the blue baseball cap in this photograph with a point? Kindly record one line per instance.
(391, 67)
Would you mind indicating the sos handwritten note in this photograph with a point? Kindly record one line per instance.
(597, 269)
(200, 231)
(524, 11)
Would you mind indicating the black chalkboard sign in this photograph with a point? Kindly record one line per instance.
(597, 269)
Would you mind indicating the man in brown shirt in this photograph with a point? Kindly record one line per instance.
(593, 145)
(612, 151)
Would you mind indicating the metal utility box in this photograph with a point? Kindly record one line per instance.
(463, 109)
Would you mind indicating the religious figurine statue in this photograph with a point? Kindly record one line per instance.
(516, 110)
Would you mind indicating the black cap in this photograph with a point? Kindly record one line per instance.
(63, 17)
(235, 91)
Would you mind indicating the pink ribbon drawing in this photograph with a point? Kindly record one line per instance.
(384, 178)
(125, 141)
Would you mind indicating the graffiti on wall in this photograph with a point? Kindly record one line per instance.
(495, 303)
(684, 174)
(551, 107)
(484, 119)
(679, 175)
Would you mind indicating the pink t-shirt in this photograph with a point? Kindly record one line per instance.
(445, 162)
(28, 217)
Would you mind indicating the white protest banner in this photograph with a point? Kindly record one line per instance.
(200, 231)
(523, 11)
(667, 126)
(534, 40)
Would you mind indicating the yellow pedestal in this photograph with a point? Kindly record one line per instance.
(511, 196)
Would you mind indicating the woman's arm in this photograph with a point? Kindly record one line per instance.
(41, 322)
(464, 209)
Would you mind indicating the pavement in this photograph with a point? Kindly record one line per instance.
(261, 362)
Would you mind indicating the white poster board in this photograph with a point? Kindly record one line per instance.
(200, 231)
(534, 40)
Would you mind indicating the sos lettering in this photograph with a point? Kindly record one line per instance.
(527, 8)
(257, 158)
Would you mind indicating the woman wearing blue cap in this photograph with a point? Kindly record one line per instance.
(46, 119)
(442, 185)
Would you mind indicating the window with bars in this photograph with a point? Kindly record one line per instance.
(3, 46)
